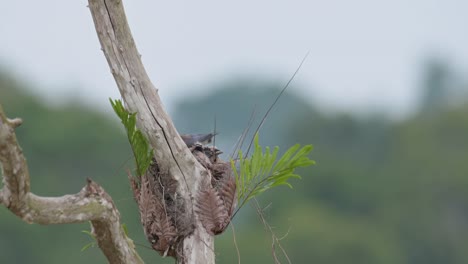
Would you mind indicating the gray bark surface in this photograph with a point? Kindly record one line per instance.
(92, 203)
(141, 97)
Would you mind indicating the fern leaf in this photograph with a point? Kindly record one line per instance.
(286, 157)
(262, 171)
(228, 194)
(212, 212)
(140, 147)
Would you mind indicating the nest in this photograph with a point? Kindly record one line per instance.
(163, 212)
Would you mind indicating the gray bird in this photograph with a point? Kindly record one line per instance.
(192, 139)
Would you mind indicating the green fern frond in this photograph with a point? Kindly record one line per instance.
(262, 171)
(141, 149)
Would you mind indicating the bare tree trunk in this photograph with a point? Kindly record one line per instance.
(141, 97)
(206, 201)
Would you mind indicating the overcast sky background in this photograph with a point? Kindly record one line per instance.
(365, 55)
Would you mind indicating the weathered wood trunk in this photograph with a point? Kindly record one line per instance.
(92, 203)
(185, 198)
(183, 175)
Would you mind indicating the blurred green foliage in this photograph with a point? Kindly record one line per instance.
(382, 192)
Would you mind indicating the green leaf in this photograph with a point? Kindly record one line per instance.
(91, 244)
(272, 160)
(141, 149)
(85, 247)
(286, 156)
(262, 171)
(88, 233)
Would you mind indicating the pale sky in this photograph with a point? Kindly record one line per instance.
(364, 54)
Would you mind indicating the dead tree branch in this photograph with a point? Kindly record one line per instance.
(141, 97)
(92, 203)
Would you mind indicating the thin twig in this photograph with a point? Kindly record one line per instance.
(242, 137)
(267, 226)
(246, 197)
(274, 238)
(284, 251)
(163, 190)
(276, 100)
(273, 250)
(235, 243)
(286, 234)
(266, 207)
(214, 132)
(119, 168)
(144, 246)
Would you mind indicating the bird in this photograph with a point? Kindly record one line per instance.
(192, 139)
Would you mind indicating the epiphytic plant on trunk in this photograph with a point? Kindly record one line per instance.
(185, 193)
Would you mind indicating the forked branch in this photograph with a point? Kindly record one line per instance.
(141, 97)
(92, 203)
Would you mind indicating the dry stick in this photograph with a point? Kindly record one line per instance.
(115, 174)
(262, 217)
(273, 250)
(235, 243)
(214, 139)
(119, 168)
(273, 235)
(247, 130)
(214, 132)
(163, 193)
(237, 147)
(283, 250)
(242, 137)
(250, 145)
(285, 235)
(143, 246)
(276, 100)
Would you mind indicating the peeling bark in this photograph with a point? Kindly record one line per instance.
(92, 203)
